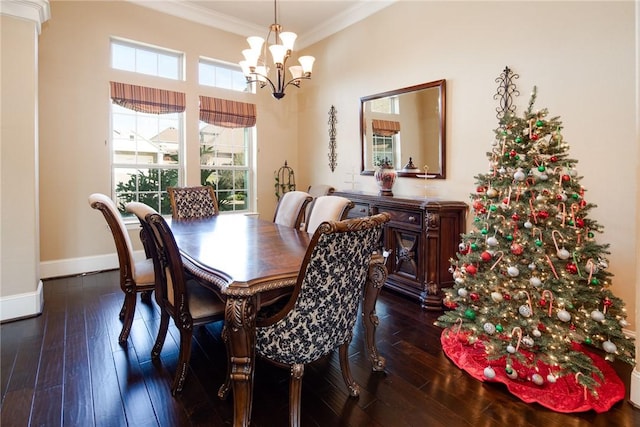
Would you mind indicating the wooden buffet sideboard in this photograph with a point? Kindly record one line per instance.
(423, 235)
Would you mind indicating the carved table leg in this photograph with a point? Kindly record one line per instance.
(240, 333)
(375, 280)
(430, 298)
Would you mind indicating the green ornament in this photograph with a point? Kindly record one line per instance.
(518, 139)
(493, 208)
(504, 132)
(595, 281)
(538, 242)
(570, 222)
(517, 157)
(477, 219)
(508, 370)
(575, 196)
(570, 306)
(539, 123)
(474, 246)
(469, 314)
(541, 168)
(587, 340)
(499, 328)
(484, 231)
(506, 155)
(509, 237)
(590, 234)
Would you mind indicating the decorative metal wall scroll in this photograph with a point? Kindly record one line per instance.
(506, 91)
(333, 157)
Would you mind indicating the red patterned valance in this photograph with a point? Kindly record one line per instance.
(385, 127)
(226, 113)
(147, 99)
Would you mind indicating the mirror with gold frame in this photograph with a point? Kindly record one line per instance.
(406, 128)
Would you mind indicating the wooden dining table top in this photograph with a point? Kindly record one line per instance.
(242, 254)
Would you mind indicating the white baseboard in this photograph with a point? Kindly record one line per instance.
(74, 266)
(19, 306)
(634, 398)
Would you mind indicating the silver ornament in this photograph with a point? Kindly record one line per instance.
(535, 281)
(489, 328)
(511, 349)
(513, 271)
(528, 341)
(462, 292)
(563, 253)
(597, 315)
(609, 347)
(524, 311)
(496, 296)
(537, 379)
(564, 315)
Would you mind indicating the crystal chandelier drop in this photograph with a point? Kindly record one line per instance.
(255, 66)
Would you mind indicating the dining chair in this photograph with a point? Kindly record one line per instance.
(193, 202)
(327, 208)
(291, 207)
(316, 191)
(135, 276)
(179, 295)
(321, 313)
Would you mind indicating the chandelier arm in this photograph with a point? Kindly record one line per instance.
(264, 82)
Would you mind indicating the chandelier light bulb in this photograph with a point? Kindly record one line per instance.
(307, 63)
(256, 43)
(296, 71)
(251, 56)
(279, 52)
(287, 39)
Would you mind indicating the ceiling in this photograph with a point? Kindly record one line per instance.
(312, 20)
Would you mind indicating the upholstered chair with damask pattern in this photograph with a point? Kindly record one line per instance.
(320, 315)
(193, 202)
(179, 296)
(135, 276)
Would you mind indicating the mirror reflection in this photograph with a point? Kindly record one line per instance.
(405, 128)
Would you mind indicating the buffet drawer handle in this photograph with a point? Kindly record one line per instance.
(412, 219)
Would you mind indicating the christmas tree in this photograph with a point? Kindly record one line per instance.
(532, 290)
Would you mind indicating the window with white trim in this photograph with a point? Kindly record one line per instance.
(223, 75)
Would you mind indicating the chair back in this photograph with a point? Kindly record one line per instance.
(327, 208)
(192, 202)
(320, 190)
(124, 248)
(170, 270)
(150, 240)
(323, 308)
(291, 207)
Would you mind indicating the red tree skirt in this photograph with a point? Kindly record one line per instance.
(564, 395)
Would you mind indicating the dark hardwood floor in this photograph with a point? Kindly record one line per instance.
(65, 367)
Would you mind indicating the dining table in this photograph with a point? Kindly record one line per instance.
(251, 262)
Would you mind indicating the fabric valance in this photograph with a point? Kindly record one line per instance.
(226, 113)
(146, 99)
(385, 127)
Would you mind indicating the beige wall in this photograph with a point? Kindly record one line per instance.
(580, 55)
(19, 250)
(74, 124)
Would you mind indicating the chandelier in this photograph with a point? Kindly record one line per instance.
(255, 66)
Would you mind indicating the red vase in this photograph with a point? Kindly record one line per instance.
(385, 178)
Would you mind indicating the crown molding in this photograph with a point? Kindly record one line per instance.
(37, 11)
(192, 12)
(356, 13)
(201, 15)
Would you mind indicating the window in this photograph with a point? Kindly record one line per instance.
(145, 156)
(142, 59)
(223, 75)
(383, 149)
(224, 164)
(388, 105)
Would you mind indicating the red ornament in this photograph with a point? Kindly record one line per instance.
(572, 327)
(515, 217)
(513, 153)
(582, 203)
(474, 296)
(471, 269)
(541, 327)
(507, 297)
(542, 302)
(480, 189)
(477, 204)
(566, 178)
(543, 214)
(607, 302)
(517, 249)
(553, 159)
(450, 304)
(485, 256)
(580, 222)
(571, 268)
(505, 200)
